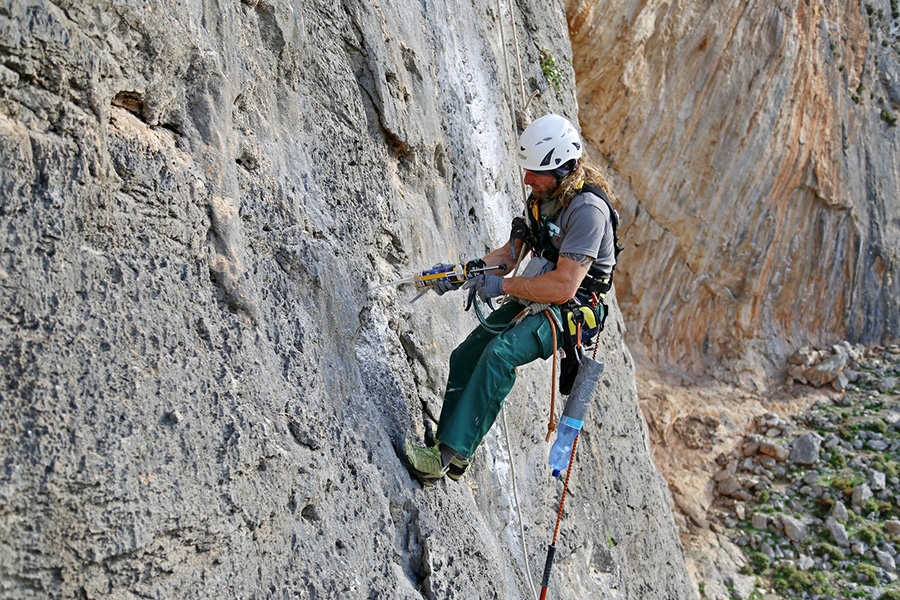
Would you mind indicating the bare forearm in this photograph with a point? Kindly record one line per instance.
(554, 287)
(547, 288)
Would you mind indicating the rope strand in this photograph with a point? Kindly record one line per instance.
(551, 424)
(512, 462)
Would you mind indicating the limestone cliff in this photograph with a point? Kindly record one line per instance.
(201, 388)
(759, 162)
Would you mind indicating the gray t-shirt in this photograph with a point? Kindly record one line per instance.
(585, 228)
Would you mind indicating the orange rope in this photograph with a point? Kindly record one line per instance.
(551, 425)
(562, 501)
(551, 550)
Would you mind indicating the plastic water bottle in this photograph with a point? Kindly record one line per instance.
(589, 373)
(561, 452)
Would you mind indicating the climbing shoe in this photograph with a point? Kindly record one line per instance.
(457, 468)
(458, 463)
(424, 463)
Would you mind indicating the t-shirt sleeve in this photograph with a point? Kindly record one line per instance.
(585, 228)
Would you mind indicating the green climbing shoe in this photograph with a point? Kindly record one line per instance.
(458, 467)
(424, 463)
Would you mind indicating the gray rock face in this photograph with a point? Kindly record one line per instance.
(805, 450)
(837, 531)
(794, 529)
(201, 389)
(742, 294)
(861, 494)
(839, 511)
(885, 560)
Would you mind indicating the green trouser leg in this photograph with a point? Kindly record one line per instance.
(483, 371)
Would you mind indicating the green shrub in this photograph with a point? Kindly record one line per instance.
(870, 507)
(826, 549)
(867, 572)
(867, 536)
(888, 117)
(824, 506)
(838, 461)
(878, 426)
(890, 595)
(759, 561)
(844, 485)
(789, 577)
(890, 468)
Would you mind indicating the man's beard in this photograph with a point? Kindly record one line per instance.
(542, 196)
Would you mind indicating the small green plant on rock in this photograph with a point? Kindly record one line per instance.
(824, 506)
(889, 467)
(871, 507)
(890, 595)
(844, 485)
(551, 70)
(867, 536)
(847, 432)
(826, 549)
(759, 562)
(877, 425)
(888, 117)
(789, 577)
(867, 573)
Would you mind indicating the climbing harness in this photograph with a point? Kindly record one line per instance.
(544, 230)
(583, 323)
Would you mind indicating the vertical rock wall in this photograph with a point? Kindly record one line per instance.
(756, 153)
(200, 388)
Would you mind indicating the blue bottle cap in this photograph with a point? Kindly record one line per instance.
(556, 473)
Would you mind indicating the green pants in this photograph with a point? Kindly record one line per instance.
(483, 371)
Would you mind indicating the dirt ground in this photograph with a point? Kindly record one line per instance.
(690, 424)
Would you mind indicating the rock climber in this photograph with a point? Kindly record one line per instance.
(569, 226)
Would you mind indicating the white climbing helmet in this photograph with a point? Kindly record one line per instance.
(548, 143)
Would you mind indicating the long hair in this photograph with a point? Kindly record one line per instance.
(584, 172)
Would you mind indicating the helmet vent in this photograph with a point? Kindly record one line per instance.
(547, 158)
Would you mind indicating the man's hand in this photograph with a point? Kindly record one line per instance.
(487, 285)
(445, 285)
